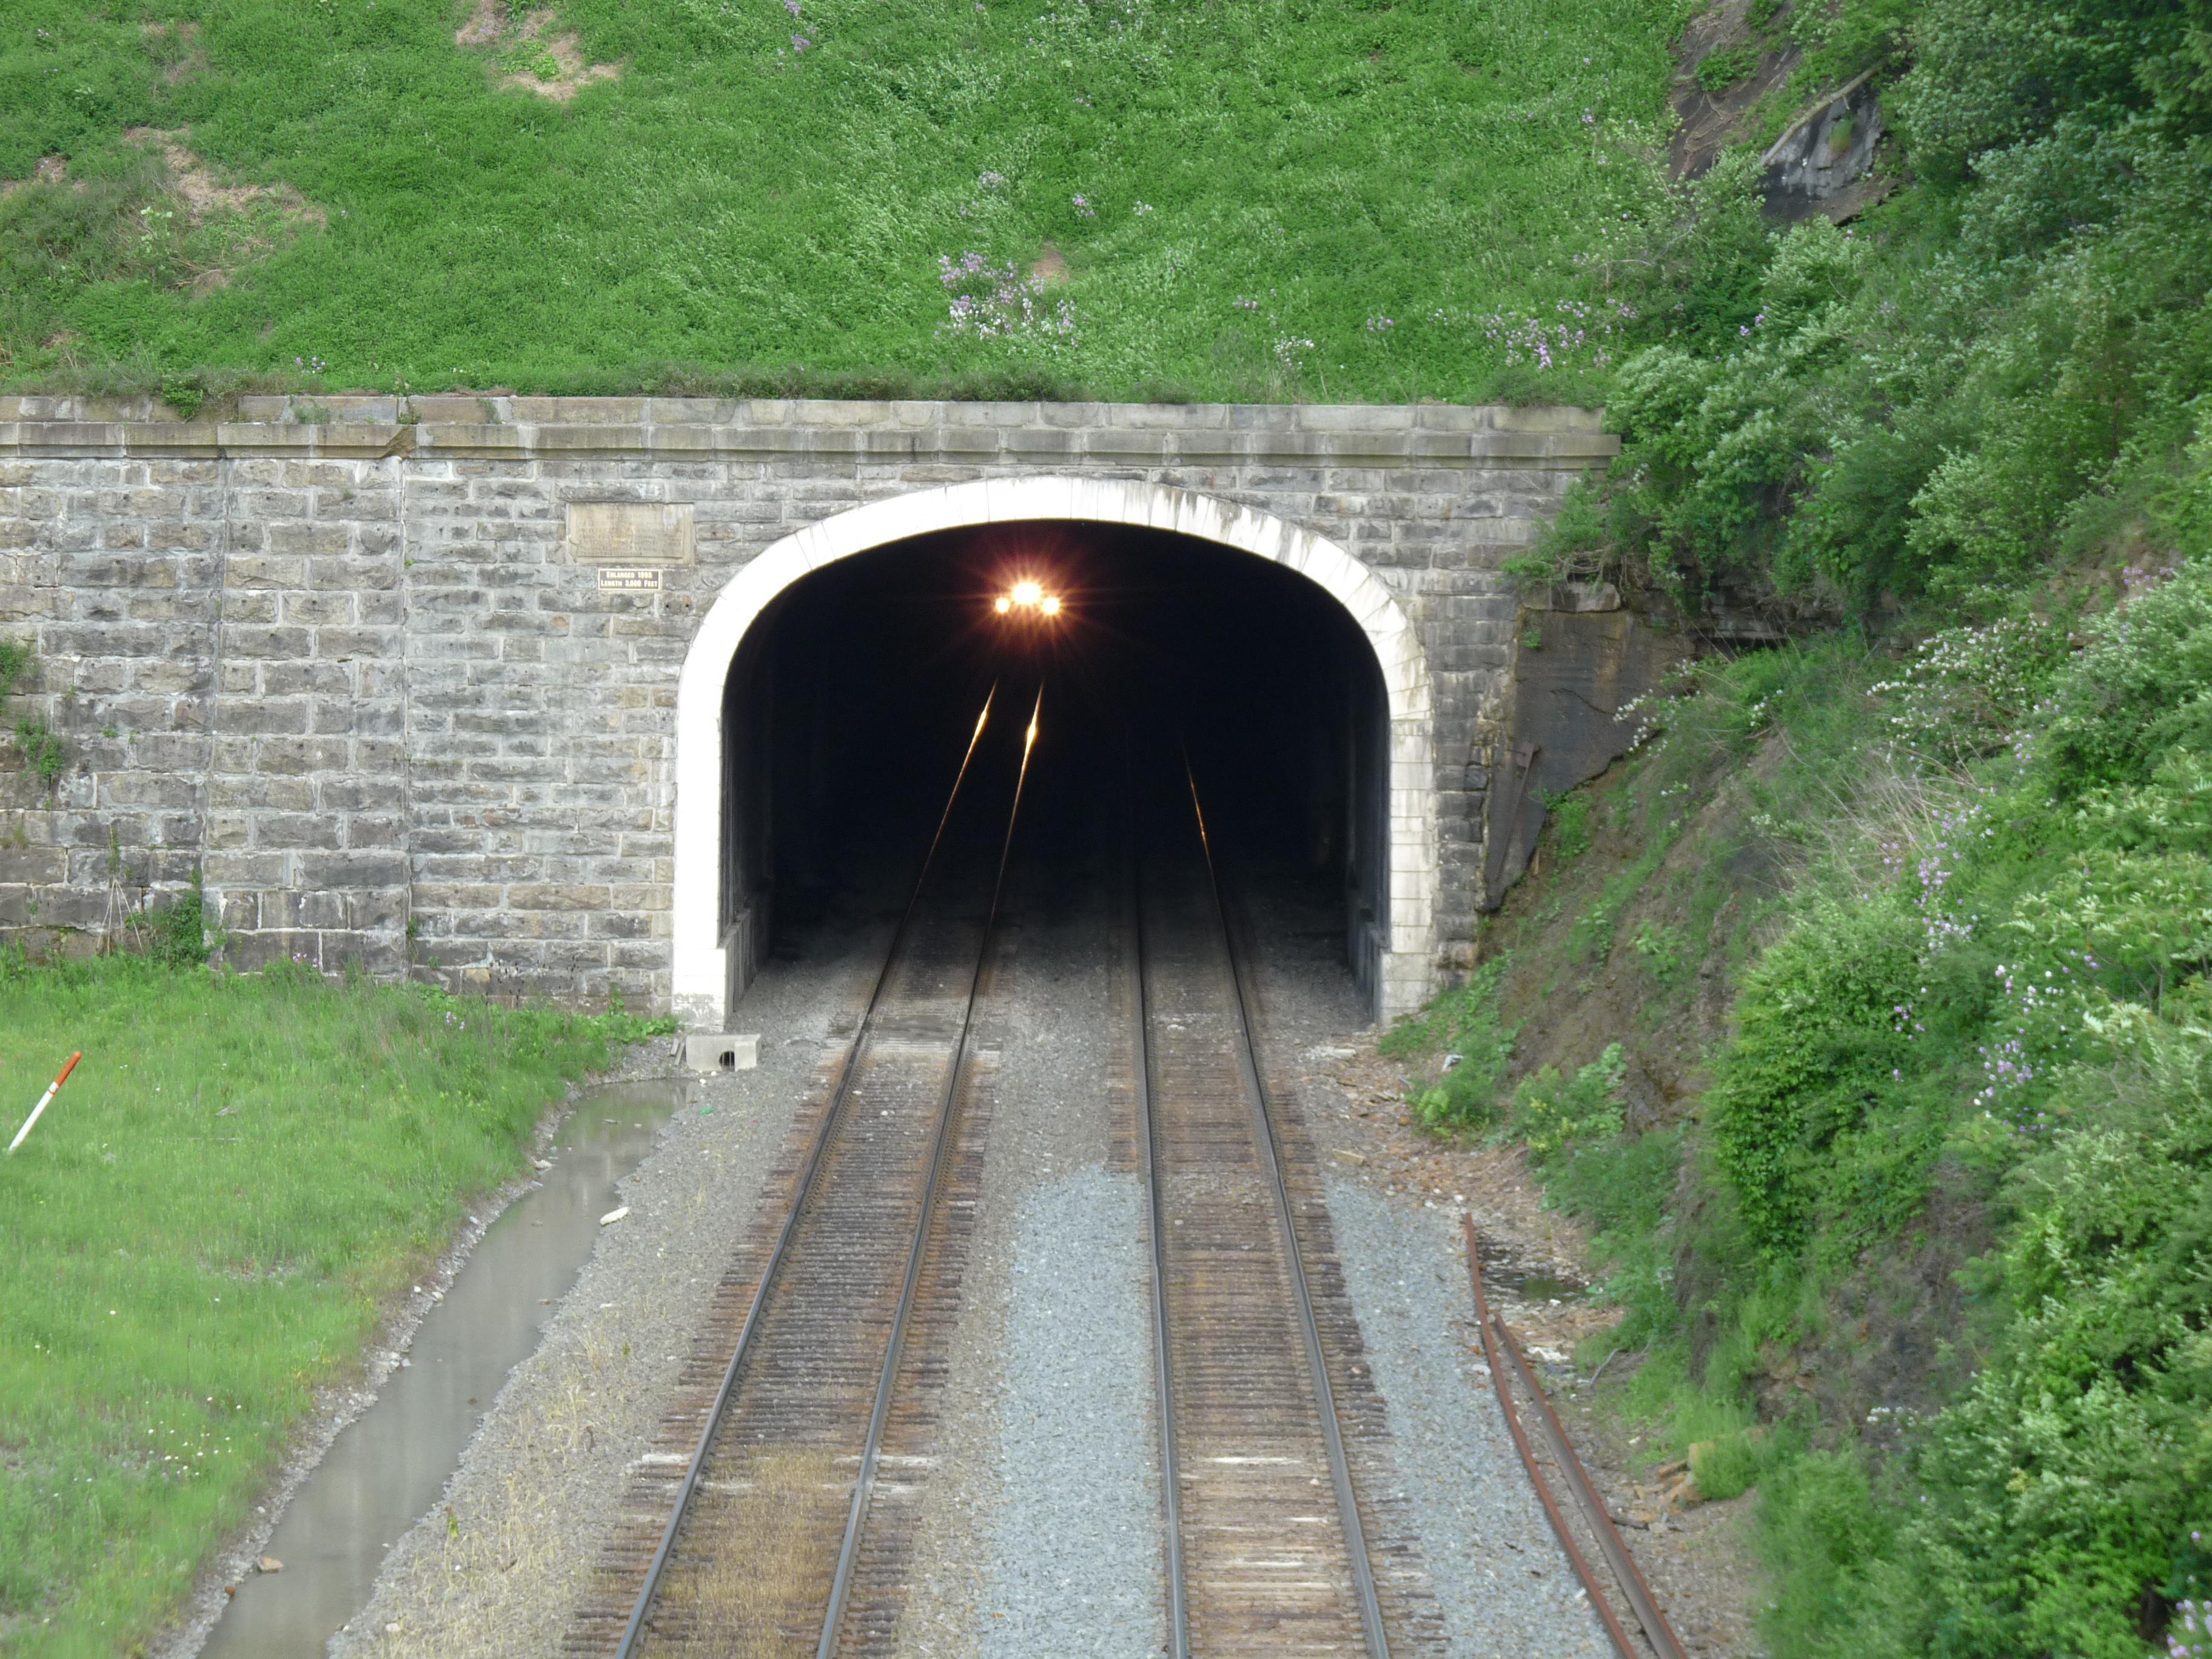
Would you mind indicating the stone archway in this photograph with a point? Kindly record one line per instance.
(700, 975)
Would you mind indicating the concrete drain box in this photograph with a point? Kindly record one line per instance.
(722, 1053)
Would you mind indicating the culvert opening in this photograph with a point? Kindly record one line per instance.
(854, 692)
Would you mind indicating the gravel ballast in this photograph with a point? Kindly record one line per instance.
(1504, 1585)
(1039, 1533)
(1075, 1551)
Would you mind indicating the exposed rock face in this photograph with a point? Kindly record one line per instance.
(1820, 162)
(1580, 659)
(1714, 117)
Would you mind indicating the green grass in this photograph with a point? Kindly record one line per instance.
(205, 1226)
(729, 205)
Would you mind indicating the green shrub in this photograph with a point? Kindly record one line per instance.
(1622, 1188)
(177, 935)
(1659, 948)
(1570, 814)
(45, 756)
(1729, 1467)
(1818, 1038)
(1721, 70)
(1554, 1114)
(1822, 1531)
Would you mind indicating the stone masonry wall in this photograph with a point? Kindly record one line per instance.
(339, 658)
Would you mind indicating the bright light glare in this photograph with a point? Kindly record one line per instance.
(1051, 605)
(1002, 605)
(1028, 592)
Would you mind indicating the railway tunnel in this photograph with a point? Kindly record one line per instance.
(854, 692)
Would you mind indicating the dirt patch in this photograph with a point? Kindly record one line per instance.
(535, 55)
(235, 223)
(50, 170)
(205, 196)
(1050, 267)
(486, 27)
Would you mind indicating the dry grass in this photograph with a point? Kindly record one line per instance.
(768, 1597)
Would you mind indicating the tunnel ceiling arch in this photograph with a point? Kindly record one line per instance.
(701, 963)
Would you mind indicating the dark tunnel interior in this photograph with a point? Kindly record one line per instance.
(854, 696)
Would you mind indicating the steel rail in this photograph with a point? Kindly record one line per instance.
(1156, 1215)
(941, 1139)
(1637, 1593)
(1247, 1059)
(634, 1630)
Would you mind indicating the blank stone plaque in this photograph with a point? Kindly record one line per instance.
(630, 533)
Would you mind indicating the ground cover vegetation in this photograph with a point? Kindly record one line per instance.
(204, 1230)
(1862, 1013)
(1136, 197)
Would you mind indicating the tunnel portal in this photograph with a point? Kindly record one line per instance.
(855, 692)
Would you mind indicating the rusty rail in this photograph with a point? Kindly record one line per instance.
(1497, 1335)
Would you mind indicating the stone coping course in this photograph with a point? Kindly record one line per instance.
(1545, 437)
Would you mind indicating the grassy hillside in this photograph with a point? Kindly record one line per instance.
(1336, 201)
(1863, 1013)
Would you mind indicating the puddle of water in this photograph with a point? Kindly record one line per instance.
(386, 1467)
(1500, 1273)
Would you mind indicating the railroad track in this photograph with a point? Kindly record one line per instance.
(1268, 1548)
(771, 1517)
(778, 1513)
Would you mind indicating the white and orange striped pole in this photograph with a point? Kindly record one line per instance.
(45, 1101)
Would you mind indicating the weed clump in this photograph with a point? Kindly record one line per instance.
(1465, 1021)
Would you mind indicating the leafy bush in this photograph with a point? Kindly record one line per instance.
(1622, 1188)
(1554, 1114)
(177, 935)
(45, 756)
(1721, 70)
(1659, 947)
(1570, 815)
(2002, 368)
(1817, 1040)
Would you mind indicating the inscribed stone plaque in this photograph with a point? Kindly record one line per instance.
(630, 532)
